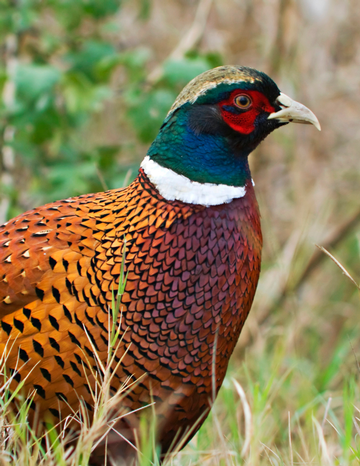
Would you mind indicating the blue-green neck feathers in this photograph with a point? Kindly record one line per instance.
(202, 156)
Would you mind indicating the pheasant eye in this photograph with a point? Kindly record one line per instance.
(243, 101)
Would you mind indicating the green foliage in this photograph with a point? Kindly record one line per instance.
(65, 57)
(60, 81)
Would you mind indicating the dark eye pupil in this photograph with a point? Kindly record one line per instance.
(242, 101)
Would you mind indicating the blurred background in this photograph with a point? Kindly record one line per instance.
(85, 85)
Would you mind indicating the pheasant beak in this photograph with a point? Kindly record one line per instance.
(292, 111)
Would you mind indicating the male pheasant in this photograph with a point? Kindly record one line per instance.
(190, 229)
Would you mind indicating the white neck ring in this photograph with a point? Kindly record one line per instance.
(173, 186)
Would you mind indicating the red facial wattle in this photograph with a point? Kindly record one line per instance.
(244, 122)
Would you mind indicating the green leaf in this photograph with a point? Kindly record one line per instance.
(88, 60)
(101, 8)
(32, 80)
(81, 96)
(182, 71)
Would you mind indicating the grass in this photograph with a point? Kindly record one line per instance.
(289, 421)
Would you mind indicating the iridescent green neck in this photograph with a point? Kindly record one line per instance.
(202, 157)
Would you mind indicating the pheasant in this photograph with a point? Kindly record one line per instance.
(187, 232)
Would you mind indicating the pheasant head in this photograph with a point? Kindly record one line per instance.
(215, 123)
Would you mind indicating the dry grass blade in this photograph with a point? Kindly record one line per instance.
(341, 267)
(290, 441)
(248, 418)
(326, 412)
(325, 456)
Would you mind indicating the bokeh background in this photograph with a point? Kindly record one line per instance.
(85, 85)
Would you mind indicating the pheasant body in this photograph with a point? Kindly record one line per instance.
(189, 271)
(192, 270)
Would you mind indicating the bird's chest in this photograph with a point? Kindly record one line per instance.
(189, 290)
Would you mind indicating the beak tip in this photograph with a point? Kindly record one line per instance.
(315, 121)
(292, 111)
